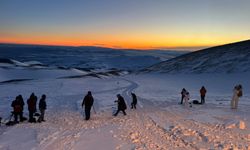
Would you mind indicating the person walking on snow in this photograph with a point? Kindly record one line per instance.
(203, 92)
(121, 105)
(134, 102)
(237, 93)
(42, 108)
(88, 102)
(183, 93)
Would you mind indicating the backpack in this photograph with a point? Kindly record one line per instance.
(240, 94)
(196, 102)
(32, 104)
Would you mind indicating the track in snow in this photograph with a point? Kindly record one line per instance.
(148, 127)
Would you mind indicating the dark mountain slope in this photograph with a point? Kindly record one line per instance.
(229, 58)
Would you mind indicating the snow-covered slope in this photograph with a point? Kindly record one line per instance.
(158, 123)
(29, 62)
(230, 58)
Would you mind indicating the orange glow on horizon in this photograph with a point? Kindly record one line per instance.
(108, 45)
(113, 42)
(176, 25)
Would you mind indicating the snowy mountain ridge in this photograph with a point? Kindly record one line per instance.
(32, 62)
(229, 58)
(85, 57)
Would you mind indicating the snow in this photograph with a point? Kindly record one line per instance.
(21, 138)
(23, 73)
(158, 123)
(230, 58)
(90, 58)
(65, 74)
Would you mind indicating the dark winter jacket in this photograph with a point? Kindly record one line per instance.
(20, 99)
(42, 104)
(183, 92)
(32, 103)
(17, 105)
(88, 101)
(203, 91)
(121, 103)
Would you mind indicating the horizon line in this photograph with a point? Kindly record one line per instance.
(181, 48)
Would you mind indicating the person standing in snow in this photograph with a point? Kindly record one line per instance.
(20, 97)
(88, 102)
(183, 93)
(17, 105)
(237, 93)
(134, 102)
(121, 105)
(203, 92)
(186, 98)
(42, 108)
(32, 107)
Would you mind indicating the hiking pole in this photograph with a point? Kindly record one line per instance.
(12, 114)
(82, 112)
(94, 109)
(10, 123)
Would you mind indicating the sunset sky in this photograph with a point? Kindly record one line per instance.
(175, 24)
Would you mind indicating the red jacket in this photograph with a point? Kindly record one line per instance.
(203, 91)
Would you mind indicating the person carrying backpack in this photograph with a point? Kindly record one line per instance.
(42, 108)
(203, 92)
(237, 93)
(88, 102)
(121, 105)
(134, 102)
(32, 107)
(17, 109)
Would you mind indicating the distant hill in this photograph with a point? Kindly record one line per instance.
(229, 58)
(83, 57)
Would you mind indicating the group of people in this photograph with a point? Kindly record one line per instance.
(18, 107)
(237, 93)
(88, 102)
(185, 96)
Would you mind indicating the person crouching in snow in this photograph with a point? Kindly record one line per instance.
(42, 108)
(186, 99)
(88, 102)
(121, 105)
(237, 93)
